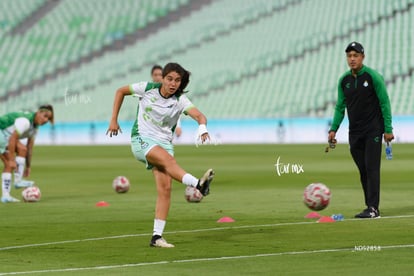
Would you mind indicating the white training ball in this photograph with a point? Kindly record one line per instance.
(192, 194)
(317, 196)
(31, 194)
(121, 184)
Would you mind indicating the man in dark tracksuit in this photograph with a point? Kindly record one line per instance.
(362, 91)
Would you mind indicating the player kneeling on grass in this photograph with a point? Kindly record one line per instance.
(15, 155)
(160, 106)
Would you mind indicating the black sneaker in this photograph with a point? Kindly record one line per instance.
(204, 183)
(370, 212)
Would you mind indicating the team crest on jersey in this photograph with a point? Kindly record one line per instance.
(365, 84)
(348, 85)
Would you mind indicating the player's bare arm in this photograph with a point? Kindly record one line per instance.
(119, 98)
(30, 144)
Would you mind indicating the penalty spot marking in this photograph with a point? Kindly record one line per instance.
(183, 231)
(201, 260)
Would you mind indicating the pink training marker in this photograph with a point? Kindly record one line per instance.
(313, 215)
(102, 204)
(225, 219)
(326, 219)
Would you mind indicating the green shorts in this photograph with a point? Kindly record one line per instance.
(140, 147)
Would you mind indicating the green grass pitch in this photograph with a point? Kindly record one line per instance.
(66, 234)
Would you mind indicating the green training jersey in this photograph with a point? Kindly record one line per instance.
(21, 122)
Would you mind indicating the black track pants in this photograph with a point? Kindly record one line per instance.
(366, 152)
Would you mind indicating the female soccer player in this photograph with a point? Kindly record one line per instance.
(151, 139)
(15, 126)
(156, 73)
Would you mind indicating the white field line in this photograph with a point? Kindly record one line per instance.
(223, 258)
(182, 231)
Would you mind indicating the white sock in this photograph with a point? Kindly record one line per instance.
(189, 180)
(6, 183)
(18, 174)
(159, 226)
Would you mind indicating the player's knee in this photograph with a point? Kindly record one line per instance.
(7, 167)
(165, 192)
(5, 161)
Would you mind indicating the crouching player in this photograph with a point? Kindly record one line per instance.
(15, 155)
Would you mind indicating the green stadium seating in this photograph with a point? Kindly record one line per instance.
(13, 12)
(264, 59)
(70, 31)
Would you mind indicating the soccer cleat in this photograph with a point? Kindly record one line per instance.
(204, 183)
(23, 184)
(158, 241)
(9, 199)
(370, 212)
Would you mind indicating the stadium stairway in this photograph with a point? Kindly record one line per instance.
(34, 17)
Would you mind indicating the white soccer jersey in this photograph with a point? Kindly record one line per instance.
(157, 116)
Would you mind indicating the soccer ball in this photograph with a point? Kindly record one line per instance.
(317, 196)
(192, 194)
(121, 184)
(31, 194)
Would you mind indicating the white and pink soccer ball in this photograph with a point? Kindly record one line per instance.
(192, 194)
(121, 184)
(31, 194)
(317, 196)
